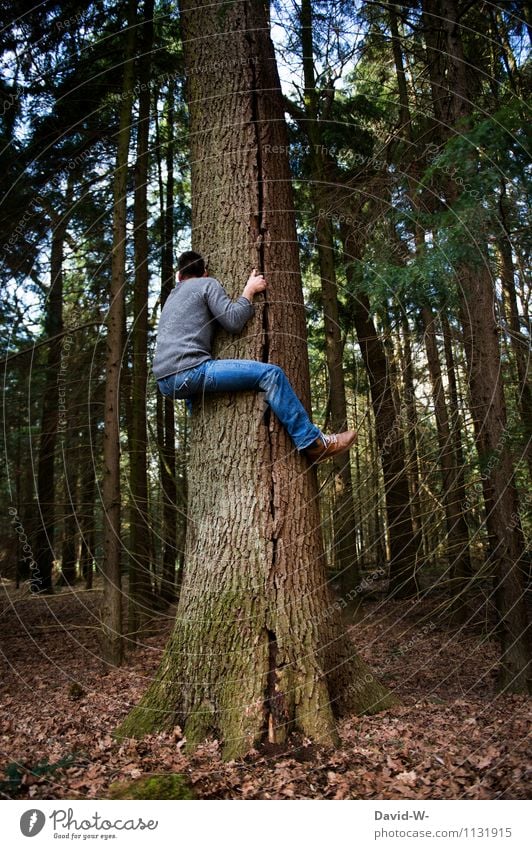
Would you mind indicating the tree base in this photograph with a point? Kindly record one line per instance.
(308, 705)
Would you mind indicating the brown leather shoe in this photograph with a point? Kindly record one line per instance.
(330, 446)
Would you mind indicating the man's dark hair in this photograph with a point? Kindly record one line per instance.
(191, 264)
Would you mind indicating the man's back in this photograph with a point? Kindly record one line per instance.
(188, 320)
(184, 367)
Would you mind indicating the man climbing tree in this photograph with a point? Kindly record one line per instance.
(184, 367)
(258, 648)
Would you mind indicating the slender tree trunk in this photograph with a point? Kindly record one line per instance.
(257, 648)
(454, 416)
(361, 500)
(344, 521)
(406, 123)
(140, 598)
(53, 403)
(86, 518)
(111, 611)
(18, 493)
(379, 534)
(457, 538)
(412, 434)
(384, 319)
(403, 542)
(520, 348)
(70, 456)
(166, 433)
(407, 132)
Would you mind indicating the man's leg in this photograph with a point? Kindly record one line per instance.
(241, 375)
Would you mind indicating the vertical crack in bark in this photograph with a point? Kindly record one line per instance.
(261, 231)
(272, 697)
(260, 228)
(271, 681)
(276, 709)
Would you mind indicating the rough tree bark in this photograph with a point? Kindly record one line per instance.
(257, 648)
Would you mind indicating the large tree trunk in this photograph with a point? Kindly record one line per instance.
(111, 611)
(140, 597)
(257, 648)
(506, 549)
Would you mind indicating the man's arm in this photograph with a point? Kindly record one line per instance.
(233, 315)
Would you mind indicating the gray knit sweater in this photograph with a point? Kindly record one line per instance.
(188, 321)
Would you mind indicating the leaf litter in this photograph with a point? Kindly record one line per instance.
(451, 737)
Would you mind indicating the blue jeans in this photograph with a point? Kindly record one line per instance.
(242, 375)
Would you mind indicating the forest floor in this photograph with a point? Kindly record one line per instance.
(451, 737)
